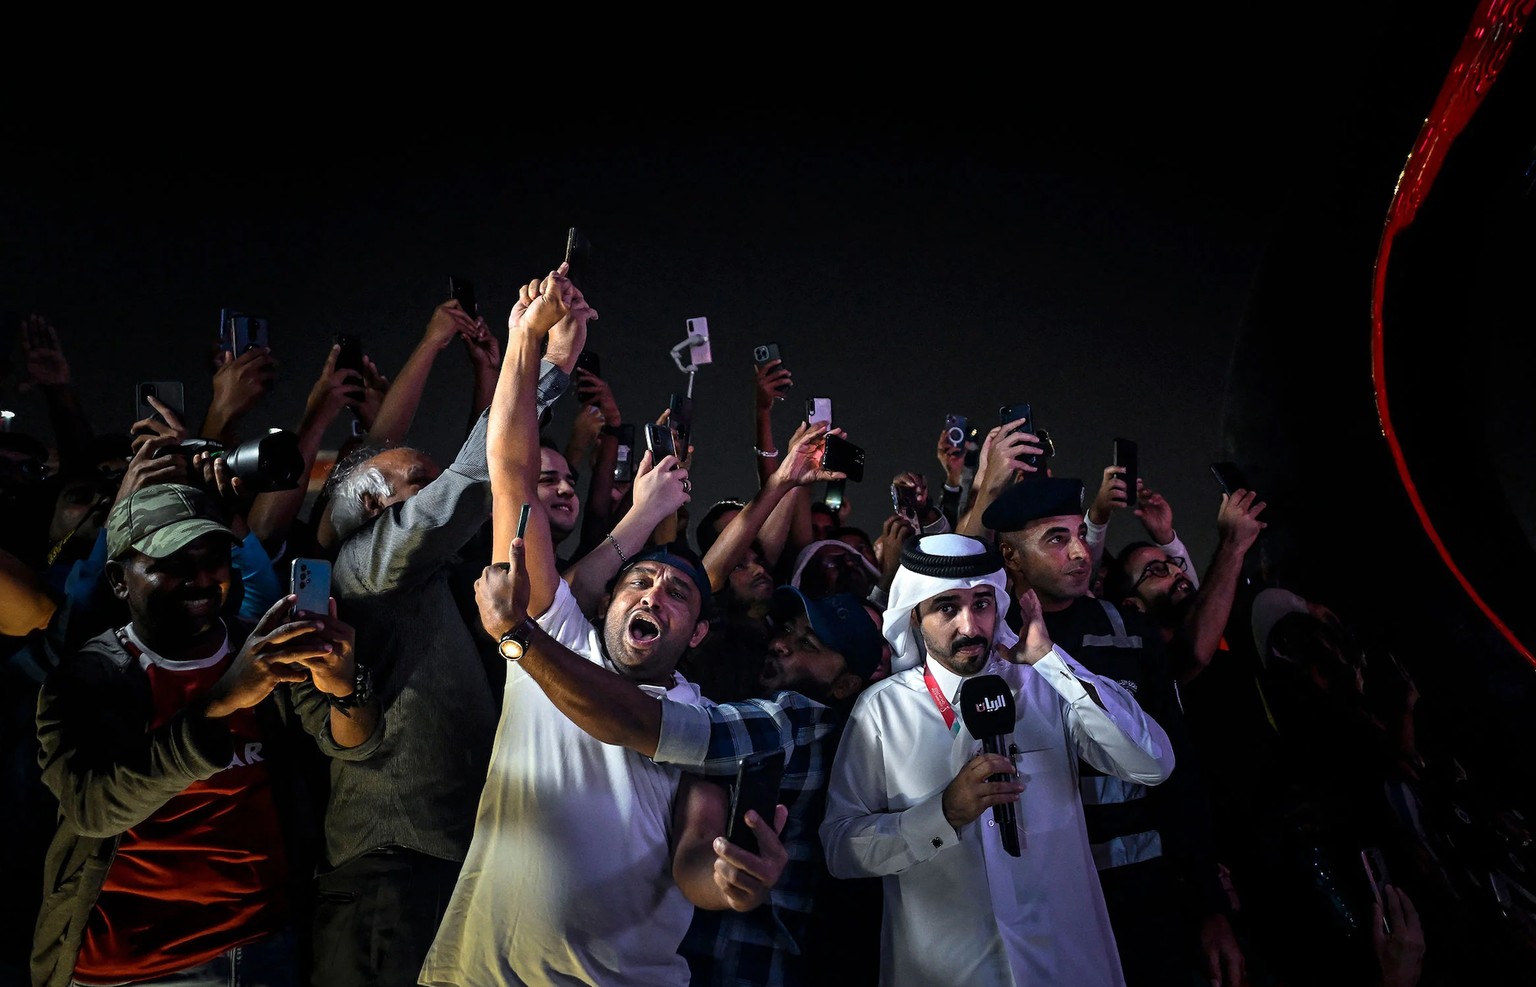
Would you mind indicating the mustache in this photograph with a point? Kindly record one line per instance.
(966, 642)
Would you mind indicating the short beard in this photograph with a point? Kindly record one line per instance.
(961, 666)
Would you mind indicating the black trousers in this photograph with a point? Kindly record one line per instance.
(376, 916)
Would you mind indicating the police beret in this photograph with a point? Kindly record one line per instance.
(1032, 499)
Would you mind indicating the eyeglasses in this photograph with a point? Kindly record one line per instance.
(1159, 568)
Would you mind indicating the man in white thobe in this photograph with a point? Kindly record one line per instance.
(910, 800)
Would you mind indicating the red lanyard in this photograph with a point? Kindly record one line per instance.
(945, 709)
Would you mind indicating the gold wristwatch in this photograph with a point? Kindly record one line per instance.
(514, 643)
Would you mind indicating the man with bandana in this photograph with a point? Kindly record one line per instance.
(911, 794)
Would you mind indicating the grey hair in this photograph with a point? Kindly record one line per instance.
(349, 510)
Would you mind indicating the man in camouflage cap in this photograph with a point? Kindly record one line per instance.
(163, 741)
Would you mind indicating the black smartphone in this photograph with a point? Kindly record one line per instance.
(624, 464)
(1229, 477)
(1125, 456)
(578, 258)
(841, 456)
(904, 500)
(1016, 418)
(310, 581)
(658, 439)
(170, 393)
(819, 410)
(973, 448)
(462, 290)
(680, 417)
(350, 357)
(765, 354)
(589, 361)
(756, 787)
(239, 332)
(833, 495)
(954, 429)
(1377, 877)
(1021, 418)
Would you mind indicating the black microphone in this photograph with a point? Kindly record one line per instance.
(986, 705)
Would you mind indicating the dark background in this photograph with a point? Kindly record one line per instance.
(1079, 226)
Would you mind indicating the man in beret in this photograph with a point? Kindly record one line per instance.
(178, 848)
(910, 796)
(1153, 848)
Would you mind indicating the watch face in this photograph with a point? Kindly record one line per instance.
(510, 649)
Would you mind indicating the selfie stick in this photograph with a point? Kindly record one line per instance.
(697, 345)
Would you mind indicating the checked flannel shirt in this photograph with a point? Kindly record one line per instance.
(757, 947)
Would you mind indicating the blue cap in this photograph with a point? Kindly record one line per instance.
(840, 620)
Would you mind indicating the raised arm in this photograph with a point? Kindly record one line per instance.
(398, 408)
(1238, 523)
(512, 436)
(770, 381)
(1002, 459)
(799, 467)
(272, 512)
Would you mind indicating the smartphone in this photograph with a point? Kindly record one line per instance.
(578, 257)
(1022, 414)
(904, 499)
(765, 354)
(833, 496)
(658, 439)
(1377, 877)
(680, 417)
(842, 456)
(351, 358)
(624, 465)
(1021, 418)
(973, 448)
(170, 393)
(310, 581)
(522, 519)
(1229, 477)
(462, 290)
(699, 353)
(239, 332)
(819, 410)
(756, 787)
(589, 361)
(1125, 455)
(954, 429)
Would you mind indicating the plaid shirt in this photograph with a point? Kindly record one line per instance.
(758, 947)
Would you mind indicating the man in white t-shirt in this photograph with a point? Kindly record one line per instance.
(587, 858)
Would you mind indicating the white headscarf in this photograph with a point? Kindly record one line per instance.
(804, 559)
(910, 588)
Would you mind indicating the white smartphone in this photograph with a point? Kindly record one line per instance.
(818, 410)
(310, 581)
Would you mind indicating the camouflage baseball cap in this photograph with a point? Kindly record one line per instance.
(160, 520)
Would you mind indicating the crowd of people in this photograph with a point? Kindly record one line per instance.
(504, 746)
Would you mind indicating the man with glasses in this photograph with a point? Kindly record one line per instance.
(1191, 616)
(1152, 846)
